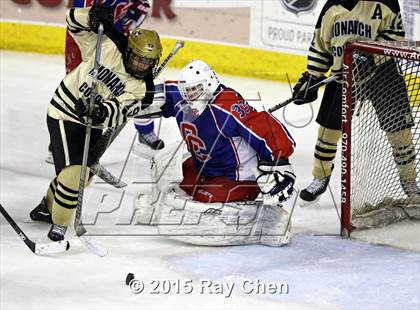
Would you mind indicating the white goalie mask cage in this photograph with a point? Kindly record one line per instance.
(197, 83)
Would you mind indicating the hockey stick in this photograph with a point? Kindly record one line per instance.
(176, 48)
(41, 249)
(111, 133)
(328, 80)
(78, 226)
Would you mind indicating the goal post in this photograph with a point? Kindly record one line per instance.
(380, 133)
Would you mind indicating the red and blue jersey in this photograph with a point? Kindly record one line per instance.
(229, 136)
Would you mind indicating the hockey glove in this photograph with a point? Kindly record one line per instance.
(276, 178)
(133, 16)
(301, 92)
(101, 14)
(98, 115)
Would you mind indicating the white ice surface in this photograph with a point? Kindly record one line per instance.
(323, 270)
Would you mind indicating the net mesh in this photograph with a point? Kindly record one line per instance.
(385, 129)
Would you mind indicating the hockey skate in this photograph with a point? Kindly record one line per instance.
(151, 140)
(147, 145)
(57, 232)
(41, 212)
(313, 192)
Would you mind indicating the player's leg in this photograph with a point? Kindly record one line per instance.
(67, 139)
(403, 151)
(191, 178)
(395, 117)
(65, 200)
(147, 138)
(68, 147)
(329, 133)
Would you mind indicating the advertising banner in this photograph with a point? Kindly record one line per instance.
(286, 25)
(277, 25)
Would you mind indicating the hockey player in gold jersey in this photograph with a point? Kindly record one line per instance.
(342, 21)
(120, 96)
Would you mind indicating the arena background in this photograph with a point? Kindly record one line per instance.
(264, 39)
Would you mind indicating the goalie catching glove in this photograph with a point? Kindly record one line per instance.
(301, 91)
(276, 179)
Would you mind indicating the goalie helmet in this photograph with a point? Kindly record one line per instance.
(197, 84)
(143, 52)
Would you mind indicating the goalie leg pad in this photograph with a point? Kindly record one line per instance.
(143, 209)
(167, 167)
(221, 224)
(275, 226)
(166, 172)
(146, 207)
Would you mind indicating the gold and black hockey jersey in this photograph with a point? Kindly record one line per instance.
(343, 21)
(120, 92)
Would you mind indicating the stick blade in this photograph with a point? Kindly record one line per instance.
(105, 175)
(52, 247)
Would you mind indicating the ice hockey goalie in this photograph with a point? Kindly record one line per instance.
(206, 188)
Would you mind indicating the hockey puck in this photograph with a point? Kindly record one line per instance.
(129, 278)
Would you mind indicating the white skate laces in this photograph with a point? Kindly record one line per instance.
(318, 186)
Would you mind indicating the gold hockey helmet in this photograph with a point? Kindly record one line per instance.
(143, 52)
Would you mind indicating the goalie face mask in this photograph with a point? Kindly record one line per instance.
(197, 84)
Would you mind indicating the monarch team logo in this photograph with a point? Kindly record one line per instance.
(299, 6)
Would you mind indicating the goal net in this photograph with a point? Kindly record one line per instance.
(381, 134)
